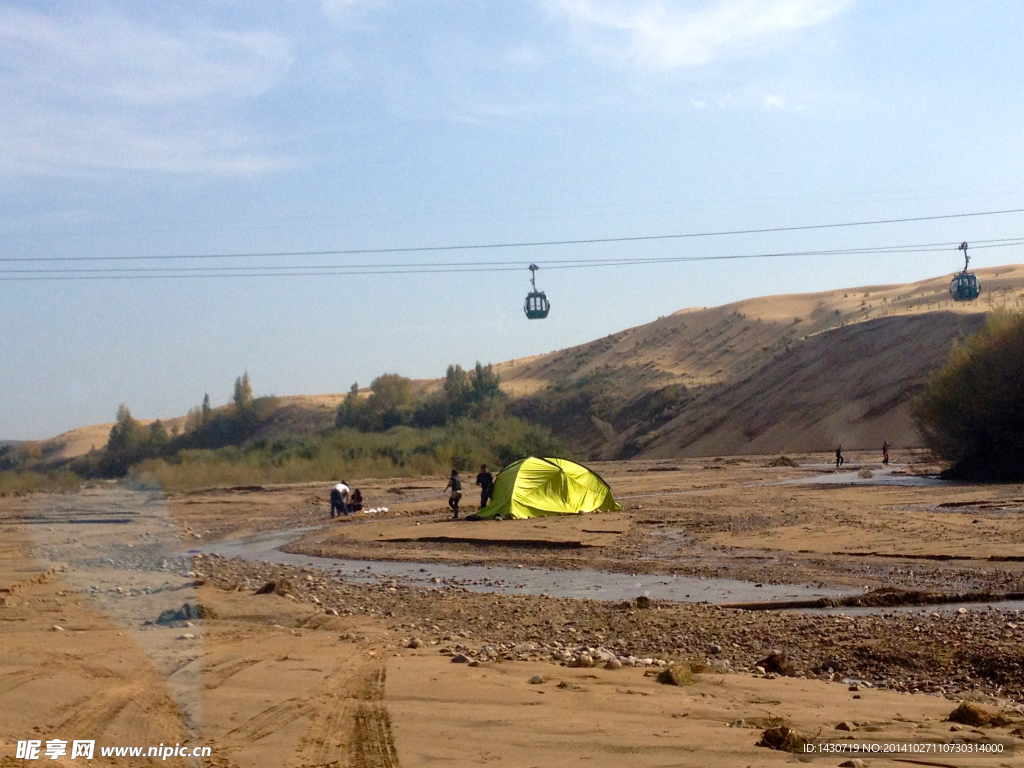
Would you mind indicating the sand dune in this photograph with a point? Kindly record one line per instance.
(781, 373)
(696, 347)
(773, 373)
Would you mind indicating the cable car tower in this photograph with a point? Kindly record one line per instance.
(537, 305)
(965, 285)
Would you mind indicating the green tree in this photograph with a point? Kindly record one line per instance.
(124, 435)
(456, 386)
(391, 392)
(243, 393)
(971, 411)
(124, 444)
(348, 410)
(389, 402)
(486, 387)
(158, 438)
(207, 411)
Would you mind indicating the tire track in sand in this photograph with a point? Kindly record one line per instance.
(214, 676)
(94, 714)
(19, 678)
(351, 727)
(270, 720)
(372, 744)
(326, 739)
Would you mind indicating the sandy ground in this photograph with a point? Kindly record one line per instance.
(733, 517)
(321, 672)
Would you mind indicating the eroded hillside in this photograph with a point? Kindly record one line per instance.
(799, 372)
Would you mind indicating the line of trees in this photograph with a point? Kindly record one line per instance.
(465, 397)
(474, 394)
(205, 427)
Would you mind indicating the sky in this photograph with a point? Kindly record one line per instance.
(130, 131)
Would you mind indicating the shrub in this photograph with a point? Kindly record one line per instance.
(971, 411)
(351, 454)
(19, 483)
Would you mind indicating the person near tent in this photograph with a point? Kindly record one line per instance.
(456, 496)
(885, 451)
(486, 482)
(839, 456)
(355, 501)
(339, 499)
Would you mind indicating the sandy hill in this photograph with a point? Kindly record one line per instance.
(771, 374)
(797, 372)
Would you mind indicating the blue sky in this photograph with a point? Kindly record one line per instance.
(144, 129)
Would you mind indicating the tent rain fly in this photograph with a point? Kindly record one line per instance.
(534, 487)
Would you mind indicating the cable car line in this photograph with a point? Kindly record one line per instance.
(312, 270)
(550, 264)
(416, 267)
(526, 244)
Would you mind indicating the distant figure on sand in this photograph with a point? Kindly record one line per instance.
(839, 456)
(885, 451)
(339, 499)
(355, 501)
(453, 501)
(486, 483)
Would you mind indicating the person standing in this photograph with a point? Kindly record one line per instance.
(453, 501)
(885, 452)
(486, 483)
(839, 457)
(339, 499)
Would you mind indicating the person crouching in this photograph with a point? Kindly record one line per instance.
(339, 500)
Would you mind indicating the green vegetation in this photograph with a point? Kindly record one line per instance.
(349, 453)
(251, 441)
(464, 394)
(393, 431)
(14, 483)
(971, 411)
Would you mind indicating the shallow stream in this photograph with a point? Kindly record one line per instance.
(510, 580)
(596, 585)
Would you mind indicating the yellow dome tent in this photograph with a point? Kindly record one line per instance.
(533, 487)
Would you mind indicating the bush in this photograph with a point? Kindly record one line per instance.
(971, 411)
(350, 453)
(19, 483)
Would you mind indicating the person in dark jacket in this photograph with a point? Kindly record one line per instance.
(486, 482)
(456, 485)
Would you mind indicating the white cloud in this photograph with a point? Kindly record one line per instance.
(100, 91)
(70, 146)
(658, 35)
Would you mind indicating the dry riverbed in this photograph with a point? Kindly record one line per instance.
(324, 670)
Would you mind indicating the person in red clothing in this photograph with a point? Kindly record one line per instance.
(885, 451)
